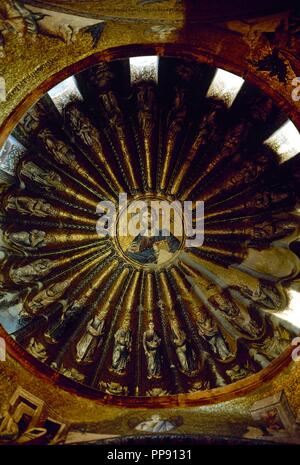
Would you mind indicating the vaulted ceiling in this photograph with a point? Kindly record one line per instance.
(154, 320)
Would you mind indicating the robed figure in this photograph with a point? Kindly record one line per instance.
(208, 329)
(57, 331)
(152, 242)
(152, 343)
(184, 351)
(90, 341)
(122, 348)
(145, 249)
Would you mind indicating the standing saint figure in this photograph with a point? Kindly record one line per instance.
(185, 354)
(208, 329)
(241, 320)
(122, 348)
(57, 331)
(152, 343)
(90, 340)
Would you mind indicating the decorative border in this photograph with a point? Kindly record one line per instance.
(125, 51)
(211, 396)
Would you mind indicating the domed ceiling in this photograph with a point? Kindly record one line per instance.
(151, 315)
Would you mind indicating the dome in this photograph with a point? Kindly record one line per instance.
(89, 291)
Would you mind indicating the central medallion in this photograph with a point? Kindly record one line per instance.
(150, 231)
